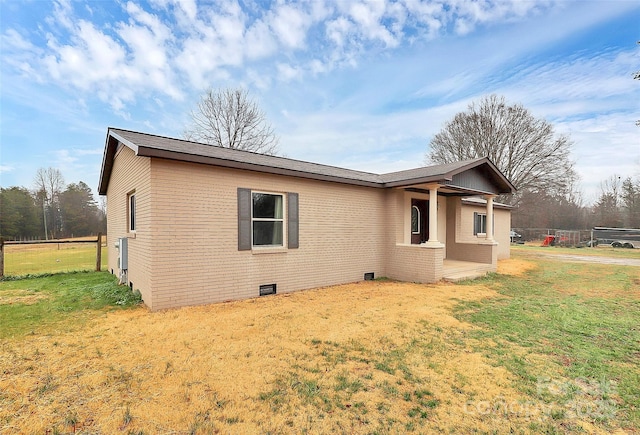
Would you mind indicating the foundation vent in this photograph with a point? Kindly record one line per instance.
(368, 276)
(267, 289)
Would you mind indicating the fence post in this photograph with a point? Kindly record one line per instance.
(1, 257)
(99, 252)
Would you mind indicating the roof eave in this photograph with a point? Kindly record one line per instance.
(235, 164)
(414, 181)
(110, 148)
(107, 165)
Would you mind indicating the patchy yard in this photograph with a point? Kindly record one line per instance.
(371, 357)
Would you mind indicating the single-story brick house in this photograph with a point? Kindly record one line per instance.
(193, 224)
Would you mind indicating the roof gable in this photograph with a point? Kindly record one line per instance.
(481, 172)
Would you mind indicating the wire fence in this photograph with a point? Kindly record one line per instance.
(19, 258)
(560, 237)
(616, 237)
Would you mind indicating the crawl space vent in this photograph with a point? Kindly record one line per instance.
(368, 276)
(267, 289)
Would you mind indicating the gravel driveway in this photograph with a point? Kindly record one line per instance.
(589, 259)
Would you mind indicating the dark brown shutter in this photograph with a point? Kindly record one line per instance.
(292, 221)
(475, 223)
(244, 219)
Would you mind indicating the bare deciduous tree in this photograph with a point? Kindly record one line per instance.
(526, 149)
(606, 210)
(229, 118)
(50, 182)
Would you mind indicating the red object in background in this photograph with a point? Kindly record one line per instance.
(548, 241)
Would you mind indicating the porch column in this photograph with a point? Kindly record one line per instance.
(433, 214)
(490, 216)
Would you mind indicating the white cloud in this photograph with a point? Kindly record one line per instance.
(290, 25)
(62, 13)
(189, 7)
(287, 72)
(259, 41)
(12, 40)
(258, 79)
(149, 42)
(368, 16)
(338, 30)
(170, 47)
(94, 58)
(215, 42)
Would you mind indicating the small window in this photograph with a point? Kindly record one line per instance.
(415, 220)
(267, 219)
(132, 211)
(479, 223)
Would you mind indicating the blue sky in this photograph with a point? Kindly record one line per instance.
(362, 85)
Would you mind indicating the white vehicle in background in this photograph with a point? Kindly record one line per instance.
(515, 237)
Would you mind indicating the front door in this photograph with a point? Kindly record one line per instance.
(419, 221)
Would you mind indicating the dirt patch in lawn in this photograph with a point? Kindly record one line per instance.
(368, 357)
(25, 297)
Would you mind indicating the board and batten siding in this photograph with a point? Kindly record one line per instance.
(195, 235)
(131, 173)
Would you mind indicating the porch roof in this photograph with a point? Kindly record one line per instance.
(469, 177)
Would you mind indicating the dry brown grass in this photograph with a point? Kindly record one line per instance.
(515, 266)
(19, 296)
(382, 357)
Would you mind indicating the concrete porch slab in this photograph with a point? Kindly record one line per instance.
(455, 270)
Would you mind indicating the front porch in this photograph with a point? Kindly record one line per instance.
(444, 222)
(456, 270)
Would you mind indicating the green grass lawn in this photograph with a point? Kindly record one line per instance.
(63, 300)
(51, 258)
(584, 320)
(605, 251)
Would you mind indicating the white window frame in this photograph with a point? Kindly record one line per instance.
(478, 230)
(415, 207)
(131, 212)
(283, 220)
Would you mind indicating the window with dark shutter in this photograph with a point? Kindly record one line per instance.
(263, 223)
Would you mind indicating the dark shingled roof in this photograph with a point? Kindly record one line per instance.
(149, 145)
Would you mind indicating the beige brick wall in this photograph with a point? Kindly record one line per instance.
(131, 173)
(406, 262)
(463, 245)
(415, 263)
(187, 233)
(503, 228)
(195, 235)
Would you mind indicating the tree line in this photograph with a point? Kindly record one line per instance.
(51, 210)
